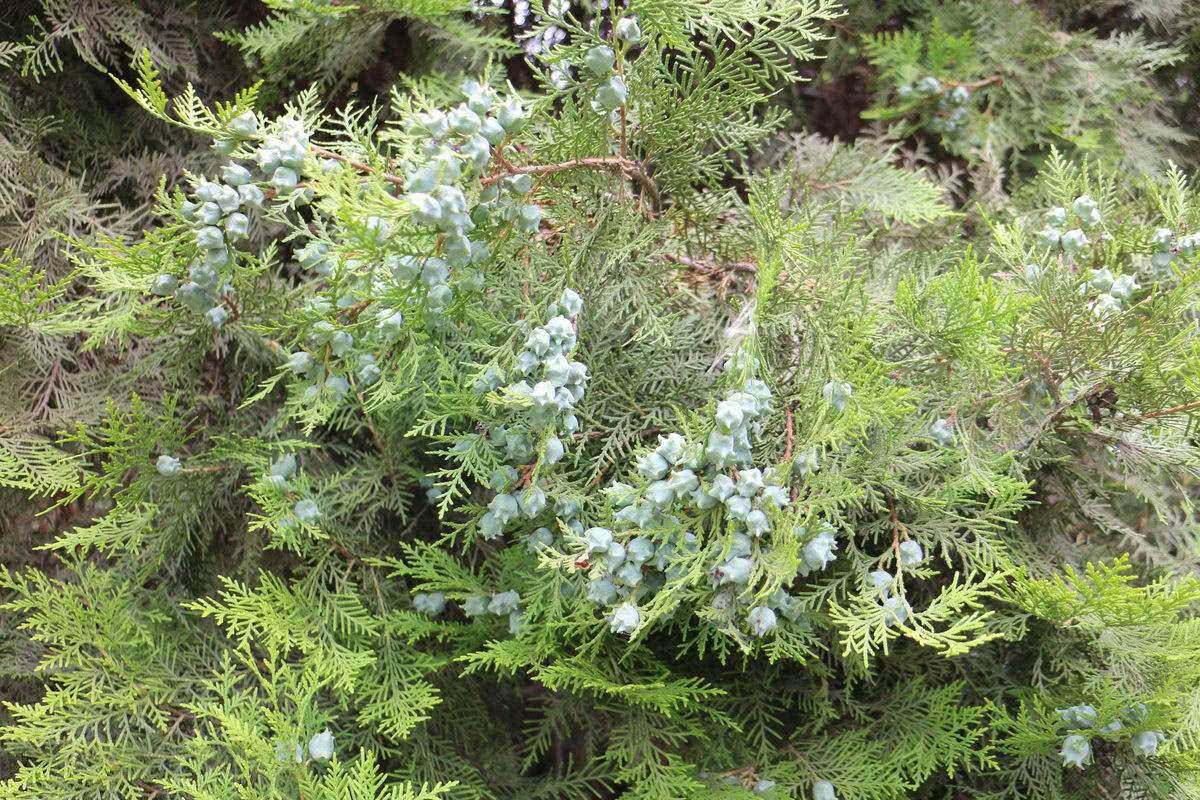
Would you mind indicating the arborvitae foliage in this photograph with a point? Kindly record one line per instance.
(583, 428)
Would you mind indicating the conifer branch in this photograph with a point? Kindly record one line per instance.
(704, 266)
(826, 186)
(897, 529)
(48, 390)
(973, 85)
(629, 167)
(544, 546)
(384, 453)
(1179, 409)
(358, 165)
(789, 433)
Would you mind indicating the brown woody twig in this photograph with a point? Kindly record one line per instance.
(358, 165)
(1179, 409)
(620, 164)
(628, 166)
(702, 266)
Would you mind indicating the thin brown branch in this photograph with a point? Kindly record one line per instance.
(631, 168)
(703, 266)
(789, 432)
(375, 436)
(897, 528)
(1052, 419)
(1179, 409)
(624, 139)
(358, 165)
(178, 713)
(621, 72)
(979, 84)
(824, 186)
(626, 165)
(149, 790)
(592, 162)
(345, 552)
(356, 309)
(48, 391)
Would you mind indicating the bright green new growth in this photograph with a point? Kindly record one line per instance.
(609, 440)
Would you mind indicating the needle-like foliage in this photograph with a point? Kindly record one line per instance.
(610, 437)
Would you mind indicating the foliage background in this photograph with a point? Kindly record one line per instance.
(156, 639)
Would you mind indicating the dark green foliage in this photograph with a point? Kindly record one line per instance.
(272, 476)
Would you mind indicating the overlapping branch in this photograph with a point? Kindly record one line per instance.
(627, 166)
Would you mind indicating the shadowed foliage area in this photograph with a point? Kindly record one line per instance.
(452, 399)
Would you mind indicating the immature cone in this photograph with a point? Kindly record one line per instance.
(320, 746)
(625, 619)
(823, 790)
(1076, 750)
